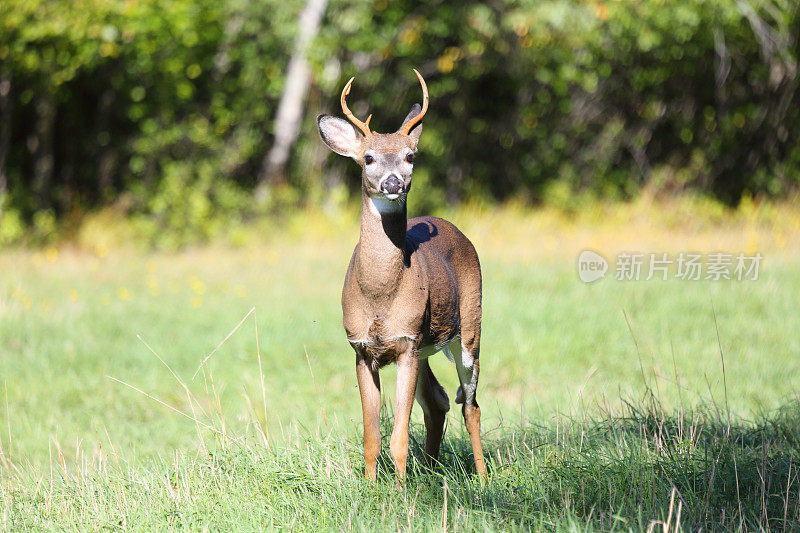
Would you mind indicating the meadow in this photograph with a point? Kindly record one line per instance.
(611, 405)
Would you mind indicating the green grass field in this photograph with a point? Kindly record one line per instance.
(604, 405)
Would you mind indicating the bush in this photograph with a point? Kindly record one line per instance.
(166, 107)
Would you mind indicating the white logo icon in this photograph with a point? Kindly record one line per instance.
(591, 266)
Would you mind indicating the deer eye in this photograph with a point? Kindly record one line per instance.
(410, 159)
(368, 159)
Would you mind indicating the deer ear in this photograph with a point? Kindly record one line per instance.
(339, 135)
(417, 131)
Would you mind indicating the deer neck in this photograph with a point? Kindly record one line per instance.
(381, 248)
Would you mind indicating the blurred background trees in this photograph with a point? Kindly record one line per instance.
(166, 109)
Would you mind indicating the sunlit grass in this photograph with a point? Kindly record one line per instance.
(647, 469)
(552, 347)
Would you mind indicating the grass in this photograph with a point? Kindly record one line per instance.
(605, 405)
(638, 471)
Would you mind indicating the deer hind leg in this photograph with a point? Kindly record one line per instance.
(434, 402)
(468, 368)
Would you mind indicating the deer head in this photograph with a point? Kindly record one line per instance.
(386, 159)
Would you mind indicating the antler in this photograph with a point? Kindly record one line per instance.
(363, 126)
(406, 128)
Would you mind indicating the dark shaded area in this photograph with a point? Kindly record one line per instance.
(619, 471)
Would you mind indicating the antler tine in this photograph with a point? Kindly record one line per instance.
(363, 126)
(406, 128)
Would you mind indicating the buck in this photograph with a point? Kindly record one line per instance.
(412, 289)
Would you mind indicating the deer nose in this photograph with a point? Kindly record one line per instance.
(392, 185)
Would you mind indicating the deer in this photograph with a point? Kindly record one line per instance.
(412, 289)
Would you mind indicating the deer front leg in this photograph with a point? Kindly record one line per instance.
(407, 370)
(369, 384)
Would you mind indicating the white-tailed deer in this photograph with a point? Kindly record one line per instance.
(413, 288)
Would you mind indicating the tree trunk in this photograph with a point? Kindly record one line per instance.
(290, 109)
(106, 156)
(43, 149)
(222, 60)
(6, 110)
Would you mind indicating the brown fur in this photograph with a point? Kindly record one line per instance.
(411, 284)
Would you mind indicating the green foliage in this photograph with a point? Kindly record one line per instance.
(168, 101)
(598, 95)
(122, 102)
(189, 205)
(12, 227)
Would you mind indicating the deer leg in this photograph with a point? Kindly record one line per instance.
(369, 385)
(407, 371)
(434, 402)
(468, 368)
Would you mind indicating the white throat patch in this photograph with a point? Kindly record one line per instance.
(380, 206)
